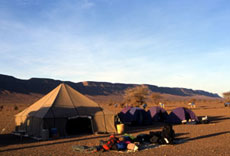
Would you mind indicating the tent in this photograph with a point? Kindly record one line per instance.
(180, 115)
(134, 116)
(126, 109)
(68, 111)
(157, 114)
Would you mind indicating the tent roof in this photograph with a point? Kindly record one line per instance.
(62, 101)
(126, 109)
(156, 110)
(181, 113)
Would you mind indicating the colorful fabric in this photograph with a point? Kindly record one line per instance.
(112, 140)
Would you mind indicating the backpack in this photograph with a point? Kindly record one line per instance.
(110, 143)
(143, 138)
(167, 135)
(121, 146)
(154, 137)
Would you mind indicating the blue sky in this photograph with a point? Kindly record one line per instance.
(173, 43)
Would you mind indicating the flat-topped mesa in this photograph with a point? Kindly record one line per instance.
(43, 86)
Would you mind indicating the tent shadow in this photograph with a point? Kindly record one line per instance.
(16, 140)
(180, 134)
(136, 129)
(209, 135)
(186, 139)
(216, 119)
(10, 139)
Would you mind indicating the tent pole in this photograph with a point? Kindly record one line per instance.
(91, 124)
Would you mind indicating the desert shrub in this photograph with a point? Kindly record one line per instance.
(136, 96)
(15, 107)
(111, 102)
(122, 104)
(1, 108)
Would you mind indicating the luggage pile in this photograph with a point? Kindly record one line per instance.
(129, 143)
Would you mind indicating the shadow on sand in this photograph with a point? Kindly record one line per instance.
(216, 119)
(16, 140)
(136, 129)
(207, 136)
(9, 139)
(186, 139)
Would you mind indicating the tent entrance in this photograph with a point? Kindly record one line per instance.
(79, 125)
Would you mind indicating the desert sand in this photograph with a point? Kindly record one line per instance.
(201, 139)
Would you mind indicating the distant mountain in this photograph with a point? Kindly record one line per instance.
(43, 86)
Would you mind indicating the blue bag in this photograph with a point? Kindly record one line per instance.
(121, 146)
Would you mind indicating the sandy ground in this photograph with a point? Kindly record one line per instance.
(198, 140)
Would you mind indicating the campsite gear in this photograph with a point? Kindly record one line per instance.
(127, 138)
(45, 134)
(191, 123)
(54, 132)
(102, 142)
(121, 146)
(179, 114)
(112, 140)
(204, 120)
(86, 149)
(157, 114)
(120, 128)
(130, 136)
(121, 139)
(134, 116)
(154, 137)
(142, 138)
(127, 142)
(132, 147)
(64, 108)
(167, 134)
(117, 120)
(114, 147)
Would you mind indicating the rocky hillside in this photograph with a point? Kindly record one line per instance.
(43, 86)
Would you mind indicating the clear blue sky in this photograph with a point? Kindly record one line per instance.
(173, 43)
